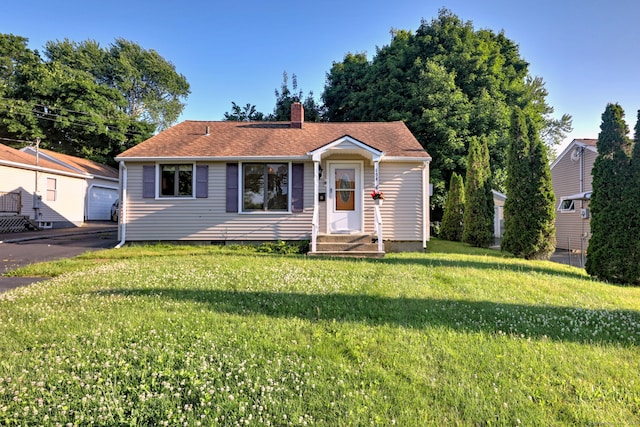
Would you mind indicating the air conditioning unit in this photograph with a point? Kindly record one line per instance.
(584, 213)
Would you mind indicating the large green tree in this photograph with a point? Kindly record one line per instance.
(16, 118)
(478, 210)
(152, 87)
(529, 211)
(452, 219)
(449, 82)
(608, 256)
(73, 102)
(632, 202)
(287, 96)
(243, 114)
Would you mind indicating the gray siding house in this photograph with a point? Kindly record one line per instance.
(571, 178)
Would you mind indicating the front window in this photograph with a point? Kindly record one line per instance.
(265, 187)
(567, 206)
(176, 180)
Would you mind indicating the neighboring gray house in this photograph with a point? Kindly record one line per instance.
(571, 177)
(498, 213)
(265, 181)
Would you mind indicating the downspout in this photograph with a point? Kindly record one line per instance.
(37, 200)
(581, 151)
(583, 234)
(425, 205)
(123, 206)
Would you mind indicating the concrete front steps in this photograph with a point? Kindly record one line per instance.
(347, 245)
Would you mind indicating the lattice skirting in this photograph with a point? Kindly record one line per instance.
(15, 224)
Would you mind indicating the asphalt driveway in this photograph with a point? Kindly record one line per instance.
(20, 249)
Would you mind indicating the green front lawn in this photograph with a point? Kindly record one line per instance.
(176, 335)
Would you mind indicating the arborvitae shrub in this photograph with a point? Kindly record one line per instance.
(452, 226)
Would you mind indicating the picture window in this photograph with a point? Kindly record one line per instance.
(265, 187)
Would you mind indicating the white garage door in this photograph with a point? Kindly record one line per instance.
(100, 201)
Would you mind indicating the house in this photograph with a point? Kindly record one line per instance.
(231, 182)
(49, 190)
(498, 213)
(102, 182)
(571, 178)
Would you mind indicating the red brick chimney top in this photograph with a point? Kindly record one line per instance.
(297, 115)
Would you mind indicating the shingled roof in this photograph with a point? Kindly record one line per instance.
(53, 161)
(83, 165)
(228, 139)
(19, 158)
(588, 141)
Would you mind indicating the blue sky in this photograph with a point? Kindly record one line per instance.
(585, 50)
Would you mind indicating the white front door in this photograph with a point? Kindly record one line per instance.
(345, 197)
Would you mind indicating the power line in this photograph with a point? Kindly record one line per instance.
(16, 140)
(46, 107)
(24, 109)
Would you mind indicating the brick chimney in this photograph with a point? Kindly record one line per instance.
(297, 115)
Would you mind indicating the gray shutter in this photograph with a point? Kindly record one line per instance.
(202, 181)
(297, 187)
(232, 187)
(148, 182)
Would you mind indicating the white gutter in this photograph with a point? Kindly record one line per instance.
(122, 217)
(398, 159)
(213, 158)
(44, 170)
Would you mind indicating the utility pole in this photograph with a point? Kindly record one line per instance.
(36, 197)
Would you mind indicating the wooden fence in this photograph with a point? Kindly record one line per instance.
(10, 202)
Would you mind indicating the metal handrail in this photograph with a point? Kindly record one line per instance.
(378, 226)
(314, 230)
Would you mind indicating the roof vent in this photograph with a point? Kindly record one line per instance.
(206, 131)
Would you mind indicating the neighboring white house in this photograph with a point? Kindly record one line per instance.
(264, 181)
(49, 192)
(102, 182)
(571, 177)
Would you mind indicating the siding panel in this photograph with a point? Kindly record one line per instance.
(208, 219)
(401, 212)
(67, 210)
(572, 232)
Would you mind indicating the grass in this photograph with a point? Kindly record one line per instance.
(178, 335)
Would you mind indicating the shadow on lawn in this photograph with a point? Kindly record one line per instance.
(492, 263)
(557, 323)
